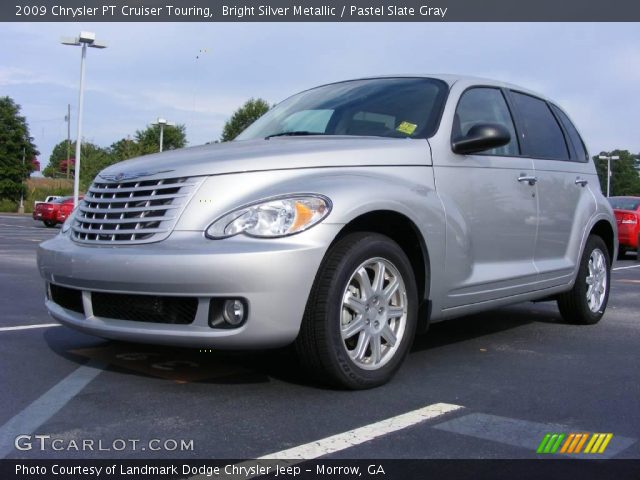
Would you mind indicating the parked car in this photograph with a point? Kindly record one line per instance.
(54, 212)
(50, 198)
(37, 209)
(343, 221)
(65, 209)
(627, 212)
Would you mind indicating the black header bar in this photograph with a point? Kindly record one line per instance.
(319, 11)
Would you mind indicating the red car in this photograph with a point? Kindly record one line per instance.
(627, 212)
(65, 209)
(52, 213)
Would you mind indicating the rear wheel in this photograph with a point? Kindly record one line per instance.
(586, 302)
(361, 315)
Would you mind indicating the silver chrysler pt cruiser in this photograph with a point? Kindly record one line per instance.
(344, 221)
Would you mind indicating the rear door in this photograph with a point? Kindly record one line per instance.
(564, 178)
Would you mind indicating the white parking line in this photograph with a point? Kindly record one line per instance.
(45, 407)
(28, 327)
(338, 442)
(626, 268)
(342, 441)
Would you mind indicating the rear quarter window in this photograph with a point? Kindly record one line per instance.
(575, 138)
(542, 136)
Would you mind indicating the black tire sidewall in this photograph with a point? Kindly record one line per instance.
(580, 288)
(368, 247)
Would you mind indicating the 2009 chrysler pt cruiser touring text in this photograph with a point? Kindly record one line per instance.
(343, 220)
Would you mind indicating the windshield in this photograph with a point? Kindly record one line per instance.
(622, 203)
(382, 107)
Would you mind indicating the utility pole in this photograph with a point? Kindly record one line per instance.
(68, 119)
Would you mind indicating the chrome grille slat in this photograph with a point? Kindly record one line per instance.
(131, 212)
(132, 199)
(128, 210)
(108, 233)
(119, 221)
(167, 186)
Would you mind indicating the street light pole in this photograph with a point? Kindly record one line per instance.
(162, 122)
(608, 158)
(68, 119)
(86, 39)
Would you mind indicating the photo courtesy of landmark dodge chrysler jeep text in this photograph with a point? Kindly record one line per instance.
(343, 220)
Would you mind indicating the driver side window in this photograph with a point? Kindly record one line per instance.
(485, 105)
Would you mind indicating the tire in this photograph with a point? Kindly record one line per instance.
(595, 266)
(349, 343)
(49, 223)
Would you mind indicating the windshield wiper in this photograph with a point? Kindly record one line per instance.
(293, 133)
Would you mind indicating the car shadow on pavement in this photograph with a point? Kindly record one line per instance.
(189, 365)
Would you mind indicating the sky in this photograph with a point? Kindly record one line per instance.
(197, 74)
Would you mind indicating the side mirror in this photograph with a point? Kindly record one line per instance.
(481, 137)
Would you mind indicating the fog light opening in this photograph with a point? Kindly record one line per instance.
(233, 312)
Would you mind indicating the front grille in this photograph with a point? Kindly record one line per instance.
(144, 308)
(67, 298)
(131, 212)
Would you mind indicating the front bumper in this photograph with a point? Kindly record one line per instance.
(274, 276)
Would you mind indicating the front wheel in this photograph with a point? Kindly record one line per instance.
(361, 315)
(586, 302)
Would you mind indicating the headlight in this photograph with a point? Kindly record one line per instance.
(277, 217)
(68, 222)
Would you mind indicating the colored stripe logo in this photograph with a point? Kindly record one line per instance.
(593, 443)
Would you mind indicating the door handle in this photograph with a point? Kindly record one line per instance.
(581, 181)
(530, 179)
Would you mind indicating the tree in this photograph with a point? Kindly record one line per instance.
(243, 117)
(149, 139)
(92, 160)
(624, 176)
(57, 160)
(15, 145)
(125, 149)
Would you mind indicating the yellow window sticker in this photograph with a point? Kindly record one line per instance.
(406, 127)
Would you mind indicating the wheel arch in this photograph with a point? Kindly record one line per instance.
(402, 230)
(604, 230)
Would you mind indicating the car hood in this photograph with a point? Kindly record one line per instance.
(273, 154)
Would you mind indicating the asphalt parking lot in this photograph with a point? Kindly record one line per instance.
(483, 386)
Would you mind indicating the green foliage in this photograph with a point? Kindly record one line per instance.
(148, 140)
(243, 117)
(58, 155)
(92, 160)
(624, 177)
(15, 144)
(125, 149)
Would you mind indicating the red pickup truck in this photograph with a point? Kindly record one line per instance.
(52, 213)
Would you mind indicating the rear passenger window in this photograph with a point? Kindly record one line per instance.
(542, 136)
(484, 105)
(574, 136)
